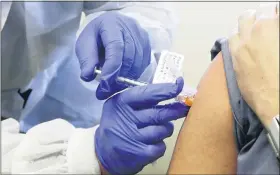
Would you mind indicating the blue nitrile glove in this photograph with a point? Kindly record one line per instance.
(133, 127)
(118, 45)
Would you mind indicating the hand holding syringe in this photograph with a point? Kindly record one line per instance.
(167, 71)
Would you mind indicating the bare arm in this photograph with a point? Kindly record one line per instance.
(206, 143)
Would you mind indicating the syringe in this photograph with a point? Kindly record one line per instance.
(125, 80)
(185, 98)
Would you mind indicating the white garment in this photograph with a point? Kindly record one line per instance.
(54, 147)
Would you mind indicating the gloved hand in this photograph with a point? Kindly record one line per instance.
(118, 45)
(255, 51)
(133, 127)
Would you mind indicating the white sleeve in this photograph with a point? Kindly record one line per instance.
(10, 139)
(157, 18)
(56, 147)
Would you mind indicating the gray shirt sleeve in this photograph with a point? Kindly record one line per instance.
(255, 154)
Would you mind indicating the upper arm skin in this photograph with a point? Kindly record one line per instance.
(206, 143)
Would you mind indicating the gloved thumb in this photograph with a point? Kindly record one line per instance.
(162, 114)
(150, 95)
(87, 53)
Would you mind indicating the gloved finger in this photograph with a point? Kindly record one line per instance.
(155, 133)
(245, 23)
(128, 55)
(142, 54)
(154, 152)
(146, 54)
(147, 96)
(162, 114)
(113, 42)
(87, 53)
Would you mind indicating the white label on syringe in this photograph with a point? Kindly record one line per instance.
(168, 68)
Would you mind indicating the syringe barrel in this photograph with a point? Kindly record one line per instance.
(131, 82)
(125, 80)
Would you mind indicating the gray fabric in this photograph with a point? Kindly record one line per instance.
(255, 154)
